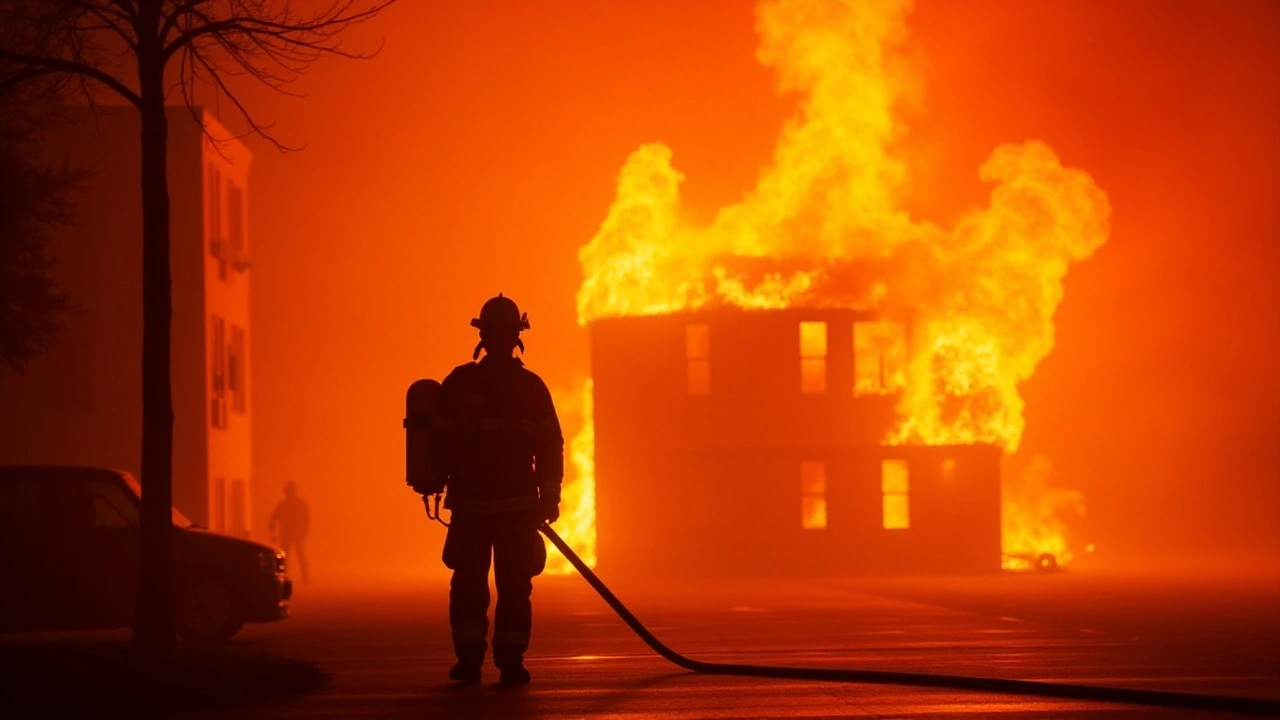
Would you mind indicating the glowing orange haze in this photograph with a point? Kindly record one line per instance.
(478, 153)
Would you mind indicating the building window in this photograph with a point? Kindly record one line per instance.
(235, 220)
(813, 358)
(218, 508)
(217, 240)
(218, 402)
(813, 495)
(236, 371)
(697, 353)
(895, 488)
(239, 510)
(879, 358)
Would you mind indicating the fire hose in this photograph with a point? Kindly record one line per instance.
(1066, 691)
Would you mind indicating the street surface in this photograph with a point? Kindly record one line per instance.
(389, 649)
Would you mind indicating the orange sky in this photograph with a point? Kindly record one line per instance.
(478, 152)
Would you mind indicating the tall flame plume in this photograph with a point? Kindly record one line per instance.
(981, 295)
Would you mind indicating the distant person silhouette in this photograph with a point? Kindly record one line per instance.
(496, 445)
(293, 519)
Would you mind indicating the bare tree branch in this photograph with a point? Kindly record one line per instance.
(32, 67)
(110, 21)
(313, 32)
(269, 41)
(264, 40)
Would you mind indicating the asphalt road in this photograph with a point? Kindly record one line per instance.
(389, 649)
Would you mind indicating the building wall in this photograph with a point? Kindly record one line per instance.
(227, 339)
(80, 403)
(708, 440)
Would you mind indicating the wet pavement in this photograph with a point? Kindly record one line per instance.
(389, 650)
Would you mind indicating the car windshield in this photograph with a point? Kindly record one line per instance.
(179, 520)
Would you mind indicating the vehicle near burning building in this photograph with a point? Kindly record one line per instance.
(756, 437)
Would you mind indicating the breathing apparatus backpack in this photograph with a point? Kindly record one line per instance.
(419, 405)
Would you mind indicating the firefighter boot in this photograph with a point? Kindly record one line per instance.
(470, 660)
(510, 662)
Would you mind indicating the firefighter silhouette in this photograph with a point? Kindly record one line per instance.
(496, 445)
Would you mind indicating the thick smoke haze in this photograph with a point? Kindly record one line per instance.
(478, 152)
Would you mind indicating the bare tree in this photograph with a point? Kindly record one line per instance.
(142, 51)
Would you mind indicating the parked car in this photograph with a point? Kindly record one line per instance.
(69, 547)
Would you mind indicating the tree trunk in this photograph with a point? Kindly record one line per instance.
(154, 621)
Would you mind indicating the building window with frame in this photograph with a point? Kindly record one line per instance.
(236, 360)
(217, 241)
(218, 401)
(238, 252)
(697, 353)
(879, 358)
(813, 495)
(895, 489)
(813, 357)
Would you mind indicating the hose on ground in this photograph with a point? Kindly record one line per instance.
(1128, 696)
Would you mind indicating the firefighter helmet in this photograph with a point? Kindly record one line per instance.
(501, 311)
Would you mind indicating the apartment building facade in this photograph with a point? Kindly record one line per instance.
(80, 403)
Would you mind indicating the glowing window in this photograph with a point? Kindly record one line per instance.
(813, 358)
(813, 495)
(894, 486)
(697, 352)
(879, 358)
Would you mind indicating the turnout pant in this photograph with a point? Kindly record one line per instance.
(512, 540)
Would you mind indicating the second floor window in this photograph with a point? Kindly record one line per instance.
(813, 358)
(879, 358)
(217, 230)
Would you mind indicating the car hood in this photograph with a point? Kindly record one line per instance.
(201, 538)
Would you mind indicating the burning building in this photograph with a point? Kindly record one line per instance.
(732, 441)
(812, 378)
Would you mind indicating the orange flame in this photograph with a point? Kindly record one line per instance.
(577, 523)
(1035, 517)
(980, 296)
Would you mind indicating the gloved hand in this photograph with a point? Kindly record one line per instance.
(550, 510)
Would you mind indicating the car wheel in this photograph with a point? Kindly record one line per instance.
(1047, 563)
(207, 613)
